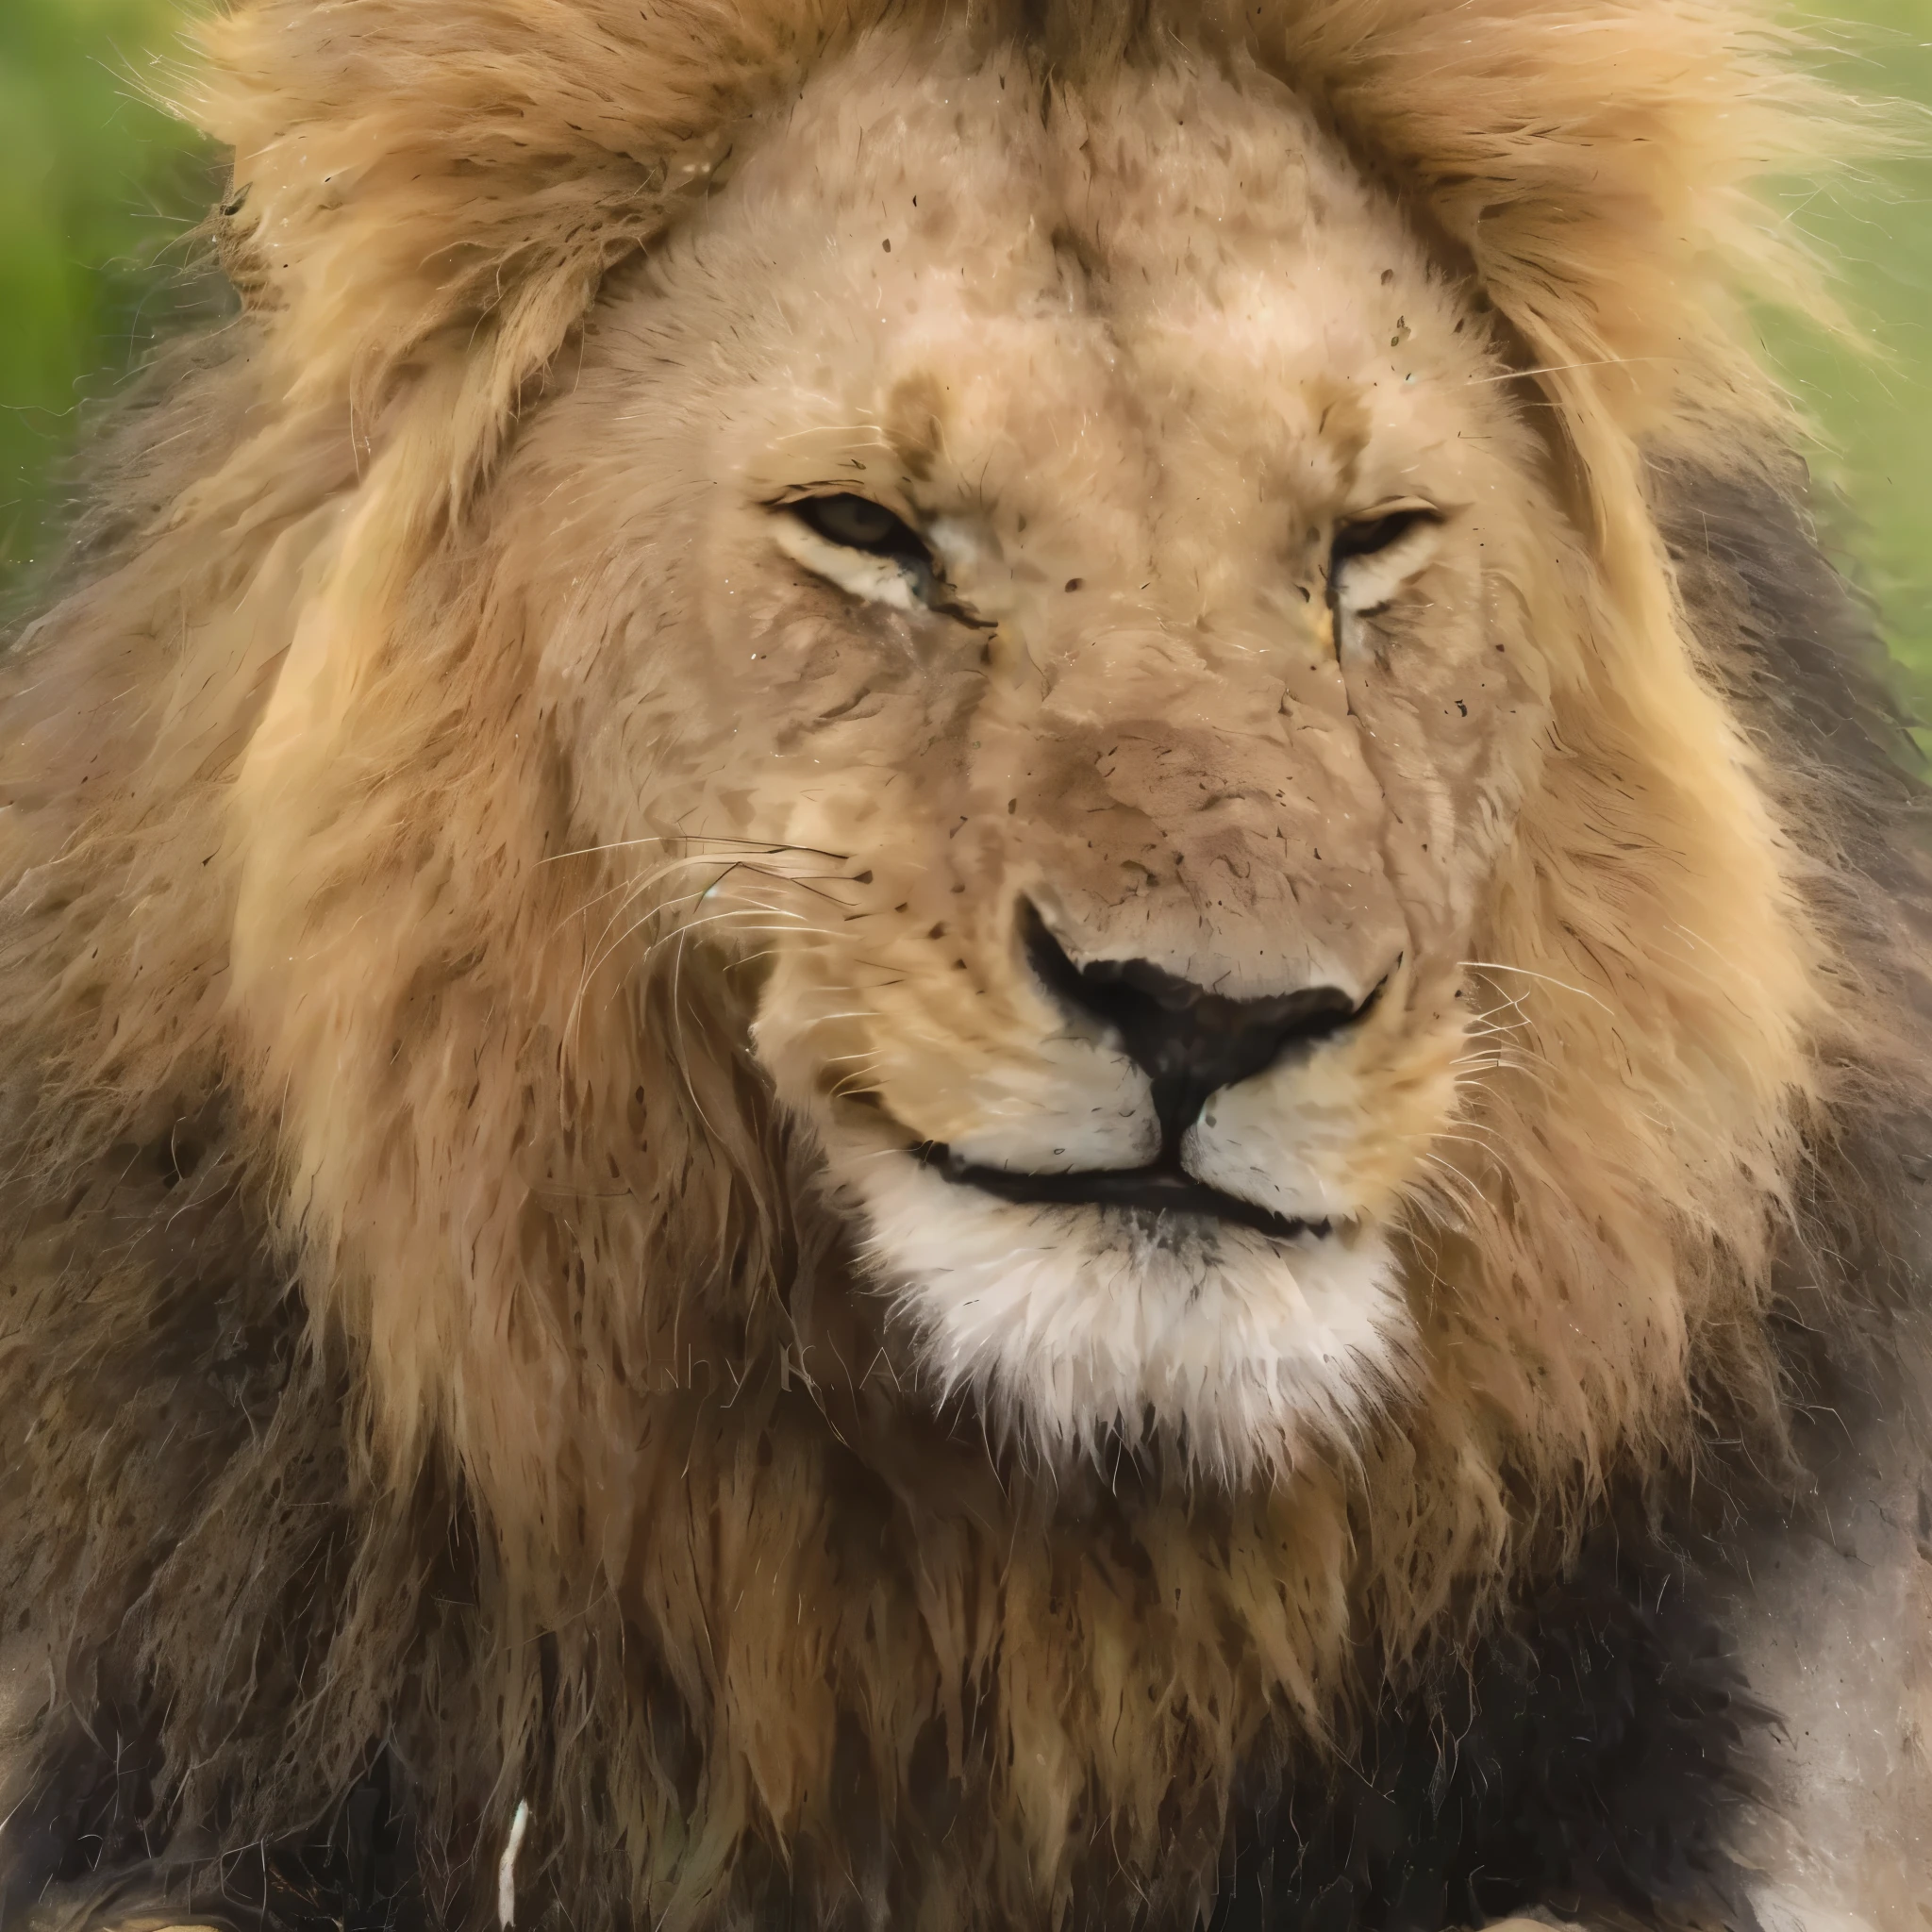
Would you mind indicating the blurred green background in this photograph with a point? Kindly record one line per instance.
(98, 191)
(95, 185)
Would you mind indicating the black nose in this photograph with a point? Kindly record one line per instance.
(1191, 1043)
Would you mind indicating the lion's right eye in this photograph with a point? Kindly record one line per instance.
(1373, 553)
(1379, 530)
(858, 524)
(864, 548)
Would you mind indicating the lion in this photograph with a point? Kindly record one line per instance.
(961, 973)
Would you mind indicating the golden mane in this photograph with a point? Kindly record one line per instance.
(301, 1004)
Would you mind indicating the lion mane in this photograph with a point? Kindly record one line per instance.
(440, 1388)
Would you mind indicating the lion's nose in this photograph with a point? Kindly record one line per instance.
(1188, 1040)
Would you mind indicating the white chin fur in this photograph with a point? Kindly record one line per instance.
(1065, 1325)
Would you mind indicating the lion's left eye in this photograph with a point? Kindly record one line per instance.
(858, 524)
(864, 548)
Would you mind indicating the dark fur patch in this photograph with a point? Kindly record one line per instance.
(1590, 1759)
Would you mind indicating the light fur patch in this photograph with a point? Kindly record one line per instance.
(1070, 1325)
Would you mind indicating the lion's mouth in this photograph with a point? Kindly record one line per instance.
(1163, 1187)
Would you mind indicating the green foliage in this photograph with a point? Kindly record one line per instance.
(1873, 412)
(95, 182)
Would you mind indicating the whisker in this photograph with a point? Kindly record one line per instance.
(677, 1020)
(1461, 1192)
(1558, 369)
(770, 847)
(1548, 979)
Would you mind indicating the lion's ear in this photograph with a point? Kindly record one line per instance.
(241, 257)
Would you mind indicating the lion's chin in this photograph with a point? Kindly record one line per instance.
(1074, 1325)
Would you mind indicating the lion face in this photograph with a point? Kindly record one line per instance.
(1049, 592)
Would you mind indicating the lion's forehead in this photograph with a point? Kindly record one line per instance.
(1181, 260)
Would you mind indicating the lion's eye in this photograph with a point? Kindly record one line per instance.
(1372, 555)
(858, 524)
(864, 549)
(1380, 530)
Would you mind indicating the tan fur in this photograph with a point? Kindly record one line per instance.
(359, 789)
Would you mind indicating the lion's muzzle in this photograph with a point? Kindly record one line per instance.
(1190, 1040)
(1191, 1043)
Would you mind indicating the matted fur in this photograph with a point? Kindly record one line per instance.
(577, 1478)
